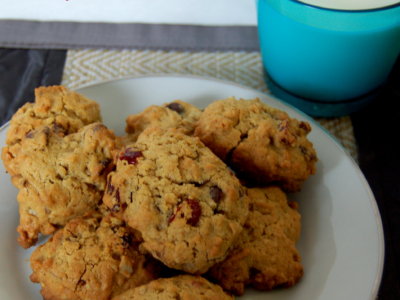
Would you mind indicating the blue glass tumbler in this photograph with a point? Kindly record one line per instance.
(327, 62)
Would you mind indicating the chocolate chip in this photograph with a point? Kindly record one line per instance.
(176, 107)
(107, 166)
(253, 272)
(216, 193)
(219, 212)
(131, 156)
(126, 239)
(244, 136)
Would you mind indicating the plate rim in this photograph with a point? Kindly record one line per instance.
(374, 205)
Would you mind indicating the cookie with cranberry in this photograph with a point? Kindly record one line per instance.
(58, 177)
(55, 107)
(90, 258)
(263, 144)
(265, 256)
(187, 204)
(179, 287)
(178, 114)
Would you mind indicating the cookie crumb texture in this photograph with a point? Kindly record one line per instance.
(55, 107)
(177, 114)
(262, 144)
(90, 258)
(265, 256)
(184, 200)
(59, 177)
(185, 287)
(117, 206)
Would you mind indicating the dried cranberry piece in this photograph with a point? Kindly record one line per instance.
(110, 187)
(172, 217)
(216, 193)
(305, 126)
(107, 166)
(131, 156)
(117, 196)
(176, 107)
(196, 212)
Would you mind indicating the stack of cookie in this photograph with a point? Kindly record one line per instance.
(185, 198)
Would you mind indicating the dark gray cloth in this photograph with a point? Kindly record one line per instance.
(69, 35)
(376, 132)
(23, 70)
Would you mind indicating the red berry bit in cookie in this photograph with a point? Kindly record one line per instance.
(195, 210)
(131, 156)
(110, 188)
(172, 217)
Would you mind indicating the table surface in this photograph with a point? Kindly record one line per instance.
(375, 126)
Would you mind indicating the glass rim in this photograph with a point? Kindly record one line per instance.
(348, 10)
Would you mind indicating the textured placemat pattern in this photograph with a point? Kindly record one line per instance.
(89, 66)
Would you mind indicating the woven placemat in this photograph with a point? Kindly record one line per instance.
(89, 66)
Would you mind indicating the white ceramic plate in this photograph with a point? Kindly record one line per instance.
(342, 239)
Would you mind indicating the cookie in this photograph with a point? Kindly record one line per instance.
(183, 287)
(59, 177)
(262, 144)
(178, 114)
(54, 106)
(265, 255)
(90, 258)
(184, 200)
